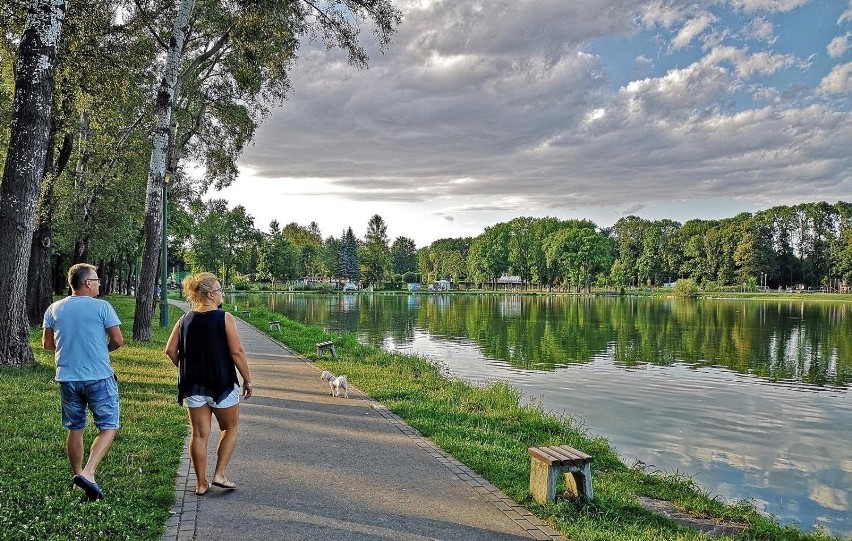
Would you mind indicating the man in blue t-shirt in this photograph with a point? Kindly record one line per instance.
(77, 328)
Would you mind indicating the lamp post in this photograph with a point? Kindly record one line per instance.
(164, 294)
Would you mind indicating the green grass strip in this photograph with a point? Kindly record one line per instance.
(138, 473)
(489, 428)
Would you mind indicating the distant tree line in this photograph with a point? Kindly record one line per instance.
(213, 237)
(807, 245)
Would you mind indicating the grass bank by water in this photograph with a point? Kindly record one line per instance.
(36, 501)
(488, 429)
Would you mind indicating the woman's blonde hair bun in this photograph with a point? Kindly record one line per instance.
(197, 286)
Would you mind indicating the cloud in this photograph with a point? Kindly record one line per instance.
(761, 29)
(839, 46)
(692, 29)
(846, 16)
(838, 81)
(751, 6)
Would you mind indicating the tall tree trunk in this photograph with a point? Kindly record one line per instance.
(109, 283)
(166, 98)
(59, 279)
(25, 159)
(40, 279)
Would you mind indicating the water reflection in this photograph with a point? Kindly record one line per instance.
(752, 398)
(782, 341)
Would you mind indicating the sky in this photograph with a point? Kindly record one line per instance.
(483, 111)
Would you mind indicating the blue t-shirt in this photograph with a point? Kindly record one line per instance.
(79, 326)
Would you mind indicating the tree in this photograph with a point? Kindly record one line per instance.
(489, 254)
(693, 262)
(24, 169)
(841, 248)
(819, 223)
(279, 260)
(374, 256)
(441, 258)
(206, 245)
(454, 267)
(330, 256)
(240, 240)
(752, 255)
(165, 102)
(521, 247)
(237, 63)
(541, 272)
(618, 275)
(782, 220)
(101, 96)
(403, 255)
(629, 235)
(580, 252)
(348, 257)
(307, 241)
(651, 265)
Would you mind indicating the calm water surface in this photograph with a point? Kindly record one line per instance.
(751, 398)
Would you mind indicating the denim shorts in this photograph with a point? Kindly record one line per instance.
(100, 396)
(196, 401)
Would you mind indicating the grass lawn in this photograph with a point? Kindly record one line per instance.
(138, 473)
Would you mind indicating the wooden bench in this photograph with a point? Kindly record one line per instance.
(274, 325)
(322, 347)
(548, 463)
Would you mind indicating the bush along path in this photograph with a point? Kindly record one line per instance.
(490, 429)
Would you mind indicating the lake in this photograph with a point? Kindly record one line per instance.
(751, 398)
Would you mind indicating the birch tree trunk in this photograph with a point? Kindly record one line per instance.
(152, 230)
(23, 171)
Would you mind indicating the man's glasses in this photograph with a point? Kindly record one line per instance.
(98, 280)
(215, 290)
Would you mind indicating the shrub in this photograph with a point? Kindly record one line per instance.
(685, 287)
(240, 284)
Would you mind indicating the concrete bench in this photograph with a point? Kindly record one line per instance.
(322, 347)
(274, 325)
(246, 313)
(548, 463)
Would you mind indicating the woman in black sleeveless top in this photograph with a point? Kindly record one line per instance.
(206, 348)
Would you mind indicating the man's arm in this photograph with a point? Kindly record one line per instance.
(116, 340)
(47, 341)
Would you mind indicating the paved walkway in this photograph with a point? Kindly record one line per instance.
(313, 467)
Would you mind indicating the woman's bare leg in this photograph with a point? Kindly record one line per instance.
(199, 421)
(229, 420)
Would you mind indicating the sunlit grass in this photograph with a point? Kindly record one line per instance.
(489, 429)
(138, 474)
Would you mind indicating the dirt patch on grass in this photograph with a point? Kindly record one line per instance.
(709, 525)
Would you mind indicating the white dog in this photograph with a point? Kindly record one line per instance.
(336, 383)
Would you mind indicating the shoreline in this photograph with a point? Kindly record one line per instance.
(814, 296)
